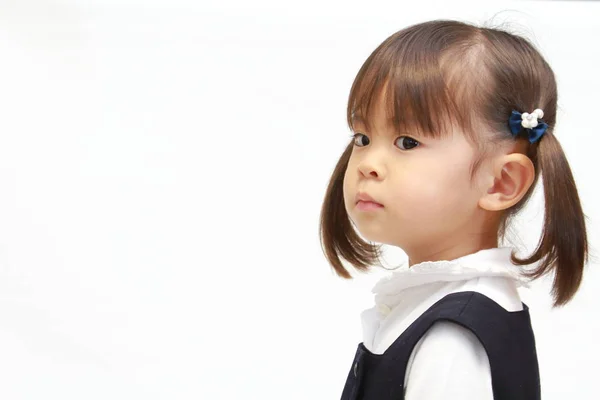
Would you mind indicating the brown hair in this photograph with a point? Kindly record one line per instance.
(473, 77)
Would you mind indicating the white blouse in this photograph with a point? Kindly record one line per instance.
(449, 361)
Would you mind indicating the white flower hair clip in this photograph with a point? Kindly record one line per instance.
(531, 120)
(535, 128)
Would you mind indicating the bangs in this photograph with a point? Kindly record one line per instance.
(422, 91)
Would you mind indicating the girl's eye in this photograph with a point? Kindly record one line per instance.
(406, 143)
(360, 140)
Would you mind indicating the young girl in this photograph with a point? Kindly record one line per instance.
(452, 125)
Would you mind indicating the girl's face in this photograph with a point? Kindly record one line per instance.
(429, 204)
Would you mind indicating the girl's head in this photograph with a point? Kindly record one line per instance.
(429, 112)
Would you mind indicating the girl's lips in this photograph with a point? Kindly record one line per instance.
(363, 196)
(368, 205)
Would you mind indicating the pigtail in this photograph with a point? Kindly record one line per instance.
(563, 245)
(338, 237)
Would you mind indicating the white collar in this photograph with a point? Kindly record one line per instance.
(487, 262)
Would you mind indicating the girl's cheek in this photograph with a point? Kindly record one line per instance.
(432, 196)
(348, 189)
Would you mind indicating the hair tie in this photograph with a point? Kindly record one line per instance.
(530, 122)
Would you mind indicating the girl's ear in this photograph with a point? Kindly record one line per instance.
(510, 177)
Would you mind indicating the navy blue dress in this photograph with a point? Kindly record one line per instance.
(507, 337)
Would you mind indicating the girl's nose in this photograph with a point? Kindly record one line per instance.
(370, 170)
(373, 174)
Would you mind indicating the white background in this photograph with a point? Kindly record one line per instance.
(162, 167)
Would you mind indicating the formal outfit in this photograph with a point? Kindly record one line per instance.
(446, 330)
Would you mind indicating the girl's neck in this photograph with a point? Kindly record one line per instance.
(450, 252)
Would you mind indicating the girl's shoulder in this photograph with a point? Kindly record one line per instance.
(449, 359)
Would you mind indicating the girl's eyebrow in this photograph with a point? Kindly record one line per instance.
(358, 119)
